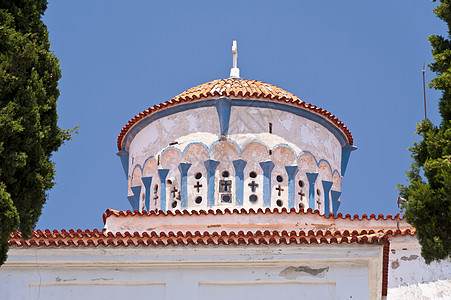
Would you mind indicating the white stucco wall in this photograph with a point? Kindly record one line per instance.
(411, 278)
(168, 141)
(306, 134)
(246, 124)
(228, 222)
(156, 136)
(189, 272)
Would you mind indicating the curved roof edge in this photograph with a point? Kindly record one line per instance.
(237, 89)
(250, 211)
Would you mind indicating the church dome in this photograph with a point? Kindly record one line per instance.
(235, 143)
(237, 88)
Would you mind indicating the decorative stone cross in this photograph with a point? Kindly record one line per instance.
(155, 193)
(253, 186)
(174, 192)
(301, 194)
(225, 184)
(279, 190)
(198, 186)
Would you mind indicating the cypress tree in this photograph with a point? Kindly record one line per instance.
(428, 194)
(29, 134)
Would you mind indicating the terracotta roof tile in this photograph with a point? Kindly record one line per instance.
(237, 89)
(110, 212)
(96, 238)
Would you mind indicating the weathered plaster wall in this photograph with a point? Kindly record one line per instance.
(255, 135)
(159, 134)
(247, 124)
(307, 135)
(411, 278)
(228, 222)
(188, 272)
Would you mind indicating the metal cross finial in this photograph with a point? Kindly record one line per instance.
(235, 72)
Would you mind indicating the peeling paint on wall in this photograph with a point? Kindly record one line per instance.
(411, 257)
(295, 272)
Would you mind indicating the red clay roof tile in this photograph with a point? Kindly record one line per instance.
(97, 238)
(283, 210)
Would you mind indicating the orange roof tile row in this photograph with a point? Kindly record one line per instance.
(110, 212)
(237, 89)
(97, 238)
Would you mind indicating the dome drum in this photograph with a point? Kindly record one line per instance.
(228, 152)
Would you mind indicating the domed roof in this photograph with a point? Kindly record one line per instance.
(236, 88)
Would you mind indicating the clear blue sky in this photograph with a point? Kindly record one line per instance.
(359, 60)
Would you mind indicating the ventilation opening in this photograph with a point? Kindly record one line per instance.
(279, 203)
(253, 198)
(198, 200)
(301, 183)
(252, 174)
(225, 174)
(279, 178)
(318, 192)
(174, 204)
(198, 176)
(227, 198)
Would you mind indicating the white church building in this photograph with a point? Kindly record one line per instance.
(235, 190)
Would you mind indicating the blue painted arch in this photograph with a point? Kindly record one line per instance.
(328, 164)
(254, 141)
(137, 166)
(224, 140)
(169, 148)
(195, 143)
(288, 147)
(308, 153)
(147, 159)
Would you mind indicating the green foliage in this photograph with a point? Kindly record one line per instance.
(429, 202)
(9, 219)
(29, 134)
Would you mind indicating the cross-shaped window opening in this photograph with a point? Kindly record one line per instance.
(253, 186)
(198, 186)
